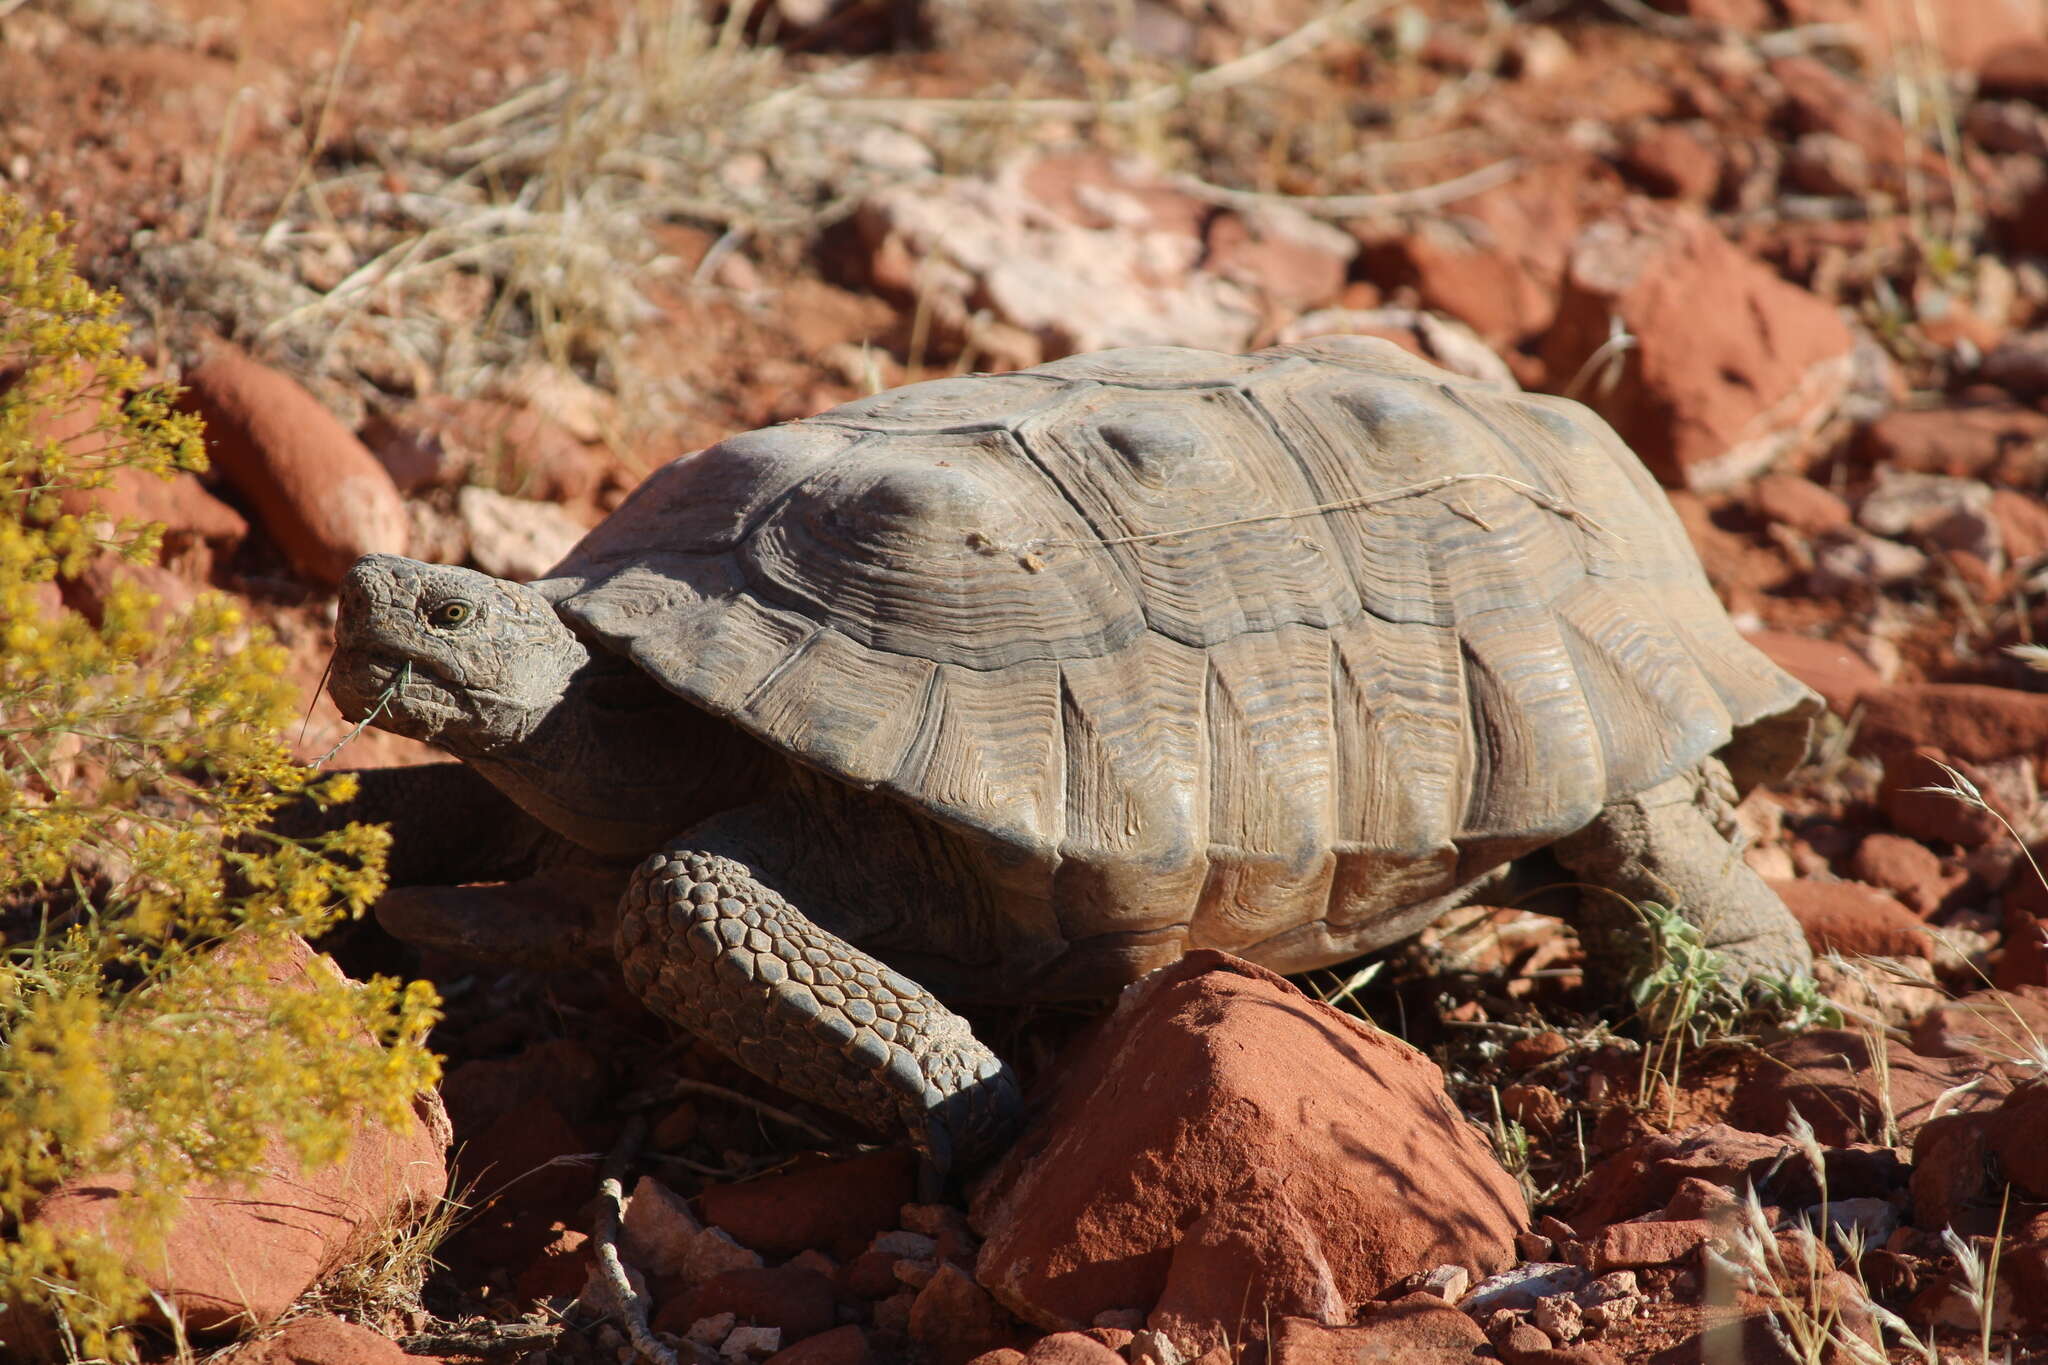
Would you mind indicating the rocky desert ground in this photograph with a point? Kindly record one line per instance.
(449, 278)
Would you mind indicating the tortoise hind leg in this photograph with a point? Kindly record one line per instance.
(707, 941)
(1671, 844)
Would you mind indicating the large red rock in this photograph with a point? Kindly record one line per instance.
(1837, 672)
(1827, 1076)
(1909, 870)
(1998, 1025)
(2005, 442)
(239, 1254)
(1498, 264)
(2019, 71)
(837, 1206)
(1967, 1165)
(320, 494)
(190, 515)
(794, 1298)
(1224, 1140)
(1708, 396)
(1824, 104)
(1976, 723)
(321, 1339)
(1916, 796)
(1414, 1331)
(1965, 33)
(1057, 254)
(1853, 919)
(1644, 1176)
(1674, 161)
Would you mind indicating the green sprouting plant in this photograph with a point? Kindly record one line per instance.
(1688, 997)
(143, 905)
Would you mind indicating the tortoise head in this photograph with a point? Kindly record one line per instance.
(459, 659)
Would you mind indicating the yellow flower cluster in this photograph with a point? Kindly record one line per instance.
(140, 758)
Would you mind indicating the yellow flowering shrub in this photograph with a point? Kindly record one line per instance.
(140, 757)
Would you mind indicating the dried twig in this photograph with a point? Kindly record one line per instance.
(1158, 99)
(611, 1208)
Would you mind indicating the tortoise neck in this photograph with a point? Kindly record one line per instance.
(620, 765)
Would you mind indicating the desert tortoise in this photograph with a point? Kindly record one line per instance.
(1022, 685)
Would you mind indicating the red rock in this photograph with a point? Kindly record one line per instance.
(2019, 71)
(1001, 1355)
(1696, 1198)
(1071, 1348)
(1500, 272)
(1933, 814)
(1255, 1237)
(1279, 1111)
(836, 1205)
(1908, 869)
(1964, 32)
(520, 1149)
(1537, 1108)
(242, 1253)
(1532, 1050)
(2025, 1258)
(846, 1345)
(517, 1229)
(2015, 1131)
(1296, 262)
(89, 593)
(1952, 1182)
(1819, 100)
(190, 515)
(953, 1319)
(321, 1339)
(1675, 161)
(561, 1071)
(562, 1267)
(1837, 672)
(1520, 1340)
(798, 1301)
(1631, 1246)
(2022, 525)
(1854, 920)
(1801, 504)
(1472, 281)
(1826, 1076)
(1644, 1176)
(1830, 164)
(2019, 364)
(664, 1238)
(1071, 252)
(1994, 1025)
(443, 442)
(871, 1275)
(1428, 1331)
(2024, 962)
(322, 497)
(1707, 397)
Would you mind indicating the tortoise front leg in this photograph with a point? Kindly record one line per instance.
(706, 942)
(1672, 844)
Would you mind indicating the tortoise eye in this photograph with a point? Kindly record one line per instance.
(453, 612)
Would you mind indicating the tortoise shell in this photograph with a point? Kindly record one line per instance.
(1252, 649)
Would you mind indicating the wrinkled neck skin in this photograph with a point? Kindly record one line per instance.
(620, 765)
